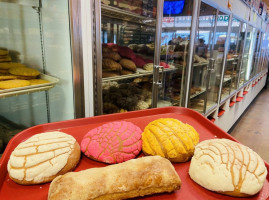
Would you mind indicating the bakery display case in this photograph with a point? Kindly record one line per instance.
(233, 58)
(35, 65)
(139, 71)
(208, 58)
(150, 55)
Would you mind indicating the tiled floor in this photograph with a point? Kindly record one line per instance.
(252, 129)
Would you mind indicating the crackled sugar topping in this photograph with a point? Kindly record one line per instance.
(169, 138)
(225, 166)
(113, 142)
(43, 155)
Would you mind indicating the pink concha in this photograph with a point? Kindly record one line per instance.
(114, 142)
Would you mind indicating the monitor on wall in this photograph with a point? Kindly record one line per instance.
(173, 7)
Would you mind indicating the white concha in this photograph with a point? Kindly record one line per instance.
(227, 167)
(41, 156)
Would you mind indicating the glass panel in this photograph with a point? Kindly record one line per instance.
(247, 55)
(128, 37)
(253, 47)
(174, 52)
(232, 60)
(265, 64)
(20, 35)
(256, 55)
(239, 50)
(204, 50)
(218, 56)
(261, 56)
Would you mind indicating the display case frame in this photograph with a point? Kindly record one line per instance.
(77, 57)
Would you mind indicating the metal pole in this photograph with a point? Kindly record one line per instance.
(242, 57)
(224, 63)
(97, 60)
(158, 35)
(189, 68)
(77, 57)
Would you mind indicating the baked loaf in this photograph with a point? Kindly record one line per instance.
(42, 157)
(227, 167)
(110, 64)
(128, 64)
(113, 142)
(8, 65)
(148, 67)
(5, 58)
(169, 138)
(109, 74)
(23, 71)
(4, 71)
(38, 81)
(3, 52)
(126, 72)
(126, 52)
(137, 177)
(112, 55)
(13, 84)
(7, 77)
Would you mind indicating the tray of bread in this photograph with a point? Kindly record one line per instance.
(16, 79)
(161, 153)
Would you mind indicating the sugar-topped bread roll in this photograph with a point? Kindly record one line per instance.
(112, 142)
(42, 157)
(227, 167)
(133, 178)
(169, 138)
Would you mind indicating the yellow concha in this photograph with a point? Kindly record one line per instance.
(170, 138)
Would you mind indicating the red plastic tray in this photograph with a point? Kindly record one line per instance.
(189, 190)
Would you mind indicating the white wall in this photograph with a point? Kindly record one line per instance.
(19, 31)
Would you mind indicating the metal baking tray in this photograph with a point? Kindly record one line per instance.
(31, 88)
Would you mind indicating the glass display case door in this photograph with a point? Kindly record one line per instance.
(263, 47)
(260, 60)
(176, 34)
(219, 51)
(249, 44)
(256, 55)
(252, 54)
(207, 59)
(125, 49)
(233, 58)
